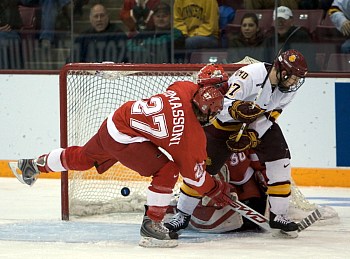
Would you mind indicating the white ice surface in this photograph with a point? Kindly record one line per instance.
(30, 227)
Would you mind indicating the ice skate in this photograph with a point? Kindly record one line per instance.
(155, 234)
(179, 222)
(28, 170)
(282, 226)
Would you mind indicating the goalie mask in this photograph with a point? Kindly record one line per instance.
(208, 102)
(212, 74)
(295, 67)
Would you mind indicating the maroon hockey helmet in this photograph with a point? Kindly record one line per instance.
(212, 74)
(293, 62)
(209, 100)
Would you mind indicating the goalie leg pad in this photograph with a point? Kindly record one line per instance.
(214, 220)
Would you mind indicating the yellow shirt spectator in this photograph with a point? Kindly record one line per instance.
(198, 18)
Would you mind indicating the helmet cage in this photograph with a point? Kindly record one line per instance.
(209, 102)
(212, 74)
(289, 89)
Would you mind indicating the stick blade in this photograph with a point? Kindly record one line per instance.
(309, 220)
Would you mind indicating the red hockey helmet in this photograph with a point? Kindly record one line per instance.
(293, 62)
(212, 74)
(209, 100)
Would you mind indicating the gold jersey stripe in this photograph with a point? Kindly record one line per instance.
(189, 191)
(279, 190)
(227, 127)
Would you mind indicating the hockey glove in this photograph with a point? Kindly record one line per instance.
(243, 111)
(248, 140)
(261, 181)
(219, 196)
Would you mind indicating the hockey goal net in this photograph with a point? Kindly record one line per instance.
(88, 93)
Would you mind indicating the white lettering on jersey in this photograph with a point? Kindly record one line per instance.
(151, 108)
(178, 117)
(236, 158)
(200, 174)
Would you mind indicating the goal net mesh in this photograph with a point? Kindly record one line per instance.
(89, 93)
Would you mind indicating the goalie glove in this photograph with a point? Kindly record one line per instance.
(219, 196)
(248, 140)
(243, 111)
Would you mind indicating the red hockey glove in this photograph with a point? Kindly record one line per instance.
(261, 181)
(219, 196)
(243, 111)
(248, 140)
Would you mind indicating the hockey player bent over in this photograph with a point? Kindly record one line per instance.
(132, 134)
(247, 177)
(243, 105)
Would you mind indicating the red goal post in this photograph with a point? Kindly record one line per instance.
(88, 93)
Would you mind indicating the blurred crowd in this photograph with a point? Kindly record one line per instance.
(46, 34)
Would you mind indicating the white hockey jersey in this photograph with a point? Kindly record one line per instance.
(245, 85)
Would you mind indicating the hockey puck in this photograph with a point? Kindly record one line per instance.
(125, 191)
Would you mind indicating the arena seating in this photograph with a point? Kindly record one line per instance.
(338, 62)
(198, 57)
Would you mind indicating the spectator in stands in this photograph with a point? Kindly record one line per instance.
(78, 6)
(339, 13)
(141, 14)
(309, 4)
(103, 41)
(49, 13)
(249, 40)
(300, 40)
(10, 40)
(270, 4)
(136, 15)
(155, 46)
(234, 4)
(198, 20)
(325, 4)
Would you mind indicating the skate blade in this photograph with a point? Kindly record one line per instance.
(153, 242)
(15, 170)
(278, 233)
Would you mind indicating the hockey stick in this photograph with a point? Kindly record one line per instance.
(250, 214)
(309, 220)
(245, 211)
(263, 222)
(239, 135)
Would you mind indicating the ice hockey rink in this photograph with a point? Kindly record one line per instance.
(31, 227)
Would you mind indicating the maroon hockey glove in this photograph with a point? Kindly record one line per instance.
(219, 196)
(243, 111)
(248, 140)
